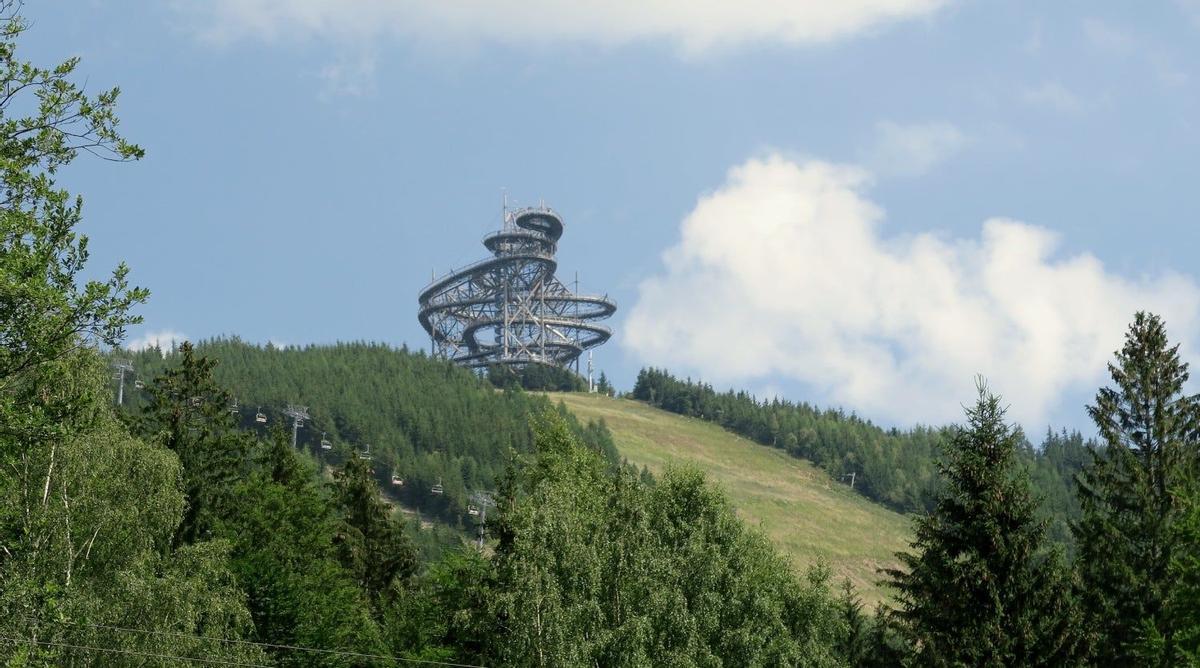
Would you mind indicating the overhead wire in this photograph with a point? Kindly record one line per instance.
(131, 652)
(294, 648)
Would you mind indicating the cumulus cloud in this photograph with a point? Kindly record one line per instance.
(784, 273)
(165, 340)
(693, 26)
(913, 150)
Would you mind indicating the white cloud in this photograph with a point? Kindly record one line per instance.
(1054, 96)
(165, 340)
(692, 26)
(783, 273)
(913, 150)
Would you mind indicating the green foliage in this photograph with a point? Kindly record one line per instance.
(1177, 642)
(892, 467)
(1126, 538)
(87, 512)
(809, 517)
(371, 542)
(855, 643)
(426, 420)
(88, 541)
(603, 386)
(286, 560)
(45, 120)
(188, 413)
(593, 567)
(980, 587)
(542, 377)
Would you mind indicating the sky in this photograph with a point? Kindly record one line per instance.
(864, 204)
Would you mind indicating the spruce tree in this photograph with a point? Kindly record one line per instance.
(1174, 639)
(1125, 537)
(189, 413)
(981, 588)
(854, 645)
(371, 543)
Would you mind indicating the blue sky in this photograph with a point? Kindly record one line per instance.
(309, 163)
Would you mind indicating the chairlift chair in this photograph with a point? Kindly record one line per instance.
(366, 452)
(397, 480)
(139, 384)
(325, 444)
(437, 489)
(260, 417)
(234, 410)
(195, 402)
(472, 510)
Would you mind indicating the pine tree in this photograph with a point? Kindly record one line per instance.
(371, 544)
(1125, 538)
(854, 644)
(286, 562)
(603, 386)
(981, 588)
(1182, 613)
(189, 413)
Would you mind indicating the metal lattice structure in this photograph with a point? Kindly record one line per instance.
(510, 309)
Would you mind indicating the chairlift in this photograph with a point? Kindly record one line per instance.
(472, 510)
(260, 417)
(437, 489)
(397, 480)
(366, 452)
(325, 444)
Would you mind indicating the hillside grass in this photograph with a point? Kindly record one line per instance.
(808, 515)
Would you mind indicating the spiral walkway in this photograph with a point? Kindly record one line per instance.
(510, 309)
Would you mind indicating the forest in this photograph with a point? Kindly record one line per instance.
(174, 531)
(427, 422)
(893, 467)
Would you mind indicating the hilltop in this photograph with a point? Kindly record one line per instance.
(806, 513)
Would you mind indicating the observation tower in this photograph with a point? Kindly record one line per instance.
(510, 309)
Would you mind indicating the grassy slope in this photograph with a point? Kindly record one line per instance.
(807, 514)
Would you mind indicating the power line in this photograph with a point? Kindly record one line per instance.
(130, 652)
(294, 648)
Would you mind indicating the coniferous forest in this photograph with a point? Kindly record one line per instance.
(893, 467)
(178, 528)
